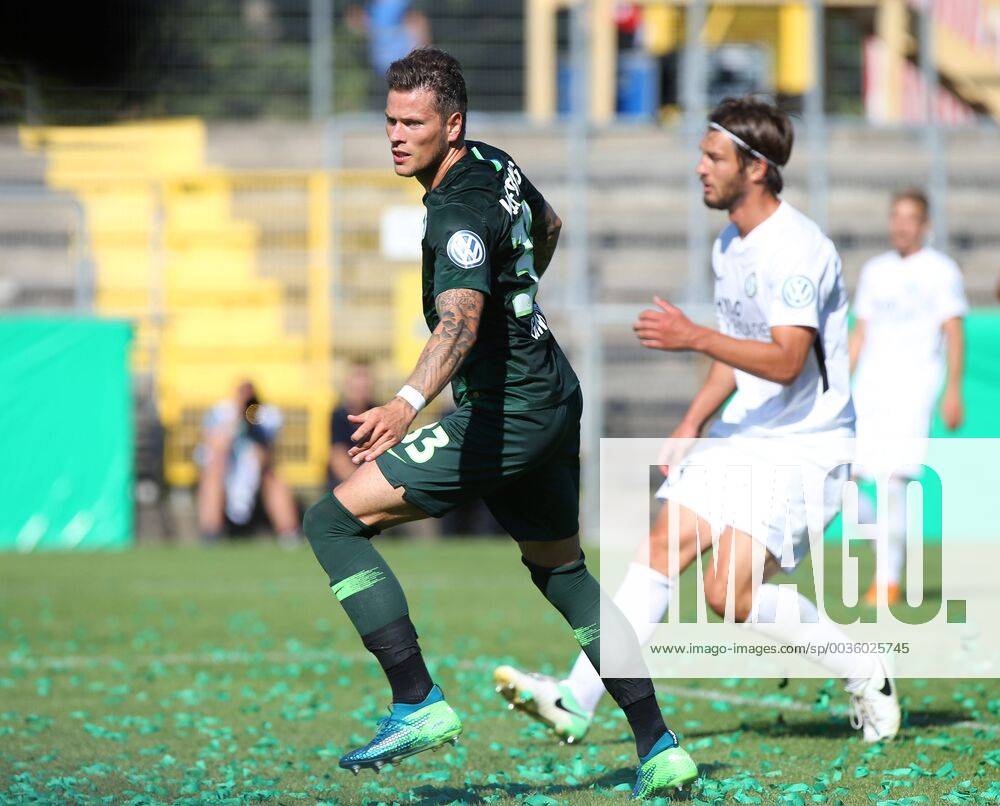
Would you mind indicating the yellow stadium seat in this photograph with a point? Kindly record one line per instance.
(223, 273)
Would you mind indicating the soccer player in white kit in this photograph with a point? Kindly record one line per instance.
(909, 307)
(782, 348)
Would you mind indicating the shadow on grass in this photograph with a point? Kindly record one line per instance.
(826, 726)
(608, 781)
(821, 726)
(933, 719)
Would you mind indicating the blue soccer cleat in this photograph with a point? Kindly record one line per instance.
(664, 768)
(408, 730)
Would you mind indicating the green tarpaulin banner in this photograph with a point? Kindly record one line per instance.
(981, 384)
(65, 434)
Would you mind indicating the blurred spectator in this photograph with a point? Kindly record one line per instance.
(393, 28)
(238, 480)
(356, 398)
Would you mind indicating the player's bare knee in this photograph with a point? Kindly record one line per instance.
(742, 607)
(659, 554)
(660, 536)
(716, 596)
(373, 500)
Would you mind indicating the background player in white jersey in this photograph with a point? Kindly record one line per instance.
(909, 305)
(782, 348)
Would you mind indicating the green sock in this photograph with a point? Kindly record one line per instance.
(576, 594)
(359, 577)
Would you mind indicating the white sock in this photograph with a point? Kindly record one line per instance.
(786, 616)
(891, 571)
(866, 507)
(642, 586)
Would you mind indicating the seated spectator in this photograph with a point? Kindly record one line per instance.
(356, 398)
(238, 480)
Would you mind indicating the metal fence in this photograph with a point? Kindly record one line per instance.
(298, 59)
(256, 59)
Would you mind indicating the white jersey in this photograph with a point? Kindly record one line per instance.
(903, 303)
(785, 272)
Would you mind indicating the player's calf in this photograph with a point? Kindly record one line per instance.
(370, 595)
(572, 590)
(359, 577)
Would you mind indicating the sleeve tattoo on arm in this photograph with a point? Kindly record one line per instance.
(459, 310)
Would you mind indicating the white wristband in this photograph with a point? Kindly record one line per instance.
(412, 396)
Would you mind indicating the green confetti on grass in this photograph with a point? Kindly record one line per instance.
(244, 687)
(946, 770)
(433, 775)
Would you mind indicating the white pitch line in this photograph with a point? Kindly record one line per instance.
(318, 656)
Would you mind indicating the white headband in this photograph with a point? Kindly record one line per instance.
(743, 144)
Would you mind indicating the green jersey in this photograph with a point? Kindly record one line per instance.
(478, 236)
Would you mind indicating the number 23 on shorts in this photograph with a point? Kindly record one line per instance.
(421, 451)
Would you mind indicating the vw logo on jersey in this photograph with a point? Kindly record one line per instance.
(466, 249)
(798, 291)
(750, 286)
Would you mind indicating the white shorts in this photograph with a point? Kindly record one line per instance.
(892, 429)
(899, 449)
(761, 487)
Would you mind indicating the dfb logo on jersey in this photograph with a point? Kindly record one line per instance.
(798, 291)
(466, 249)
(538, 323)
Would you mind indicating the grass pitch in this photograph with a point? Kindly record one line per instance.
(231, 675)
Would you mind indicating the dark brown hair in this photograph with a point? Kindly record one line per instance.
(913, 194)
(434, 70)
(761, 126)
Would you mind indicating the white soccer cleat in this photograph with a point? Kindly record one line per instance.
(875, 709)
(543, 698)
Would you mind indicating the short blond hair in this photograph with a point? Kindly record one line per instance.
(915, 195)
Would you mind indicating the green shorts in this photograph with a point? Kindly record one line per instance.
(524, 465)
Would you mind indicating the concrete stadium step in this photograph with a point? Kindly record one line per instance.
(267, 145)
(41, 247)
(18, 167)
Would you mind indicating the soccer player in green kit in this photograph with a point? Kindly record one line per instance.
(513, 441)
